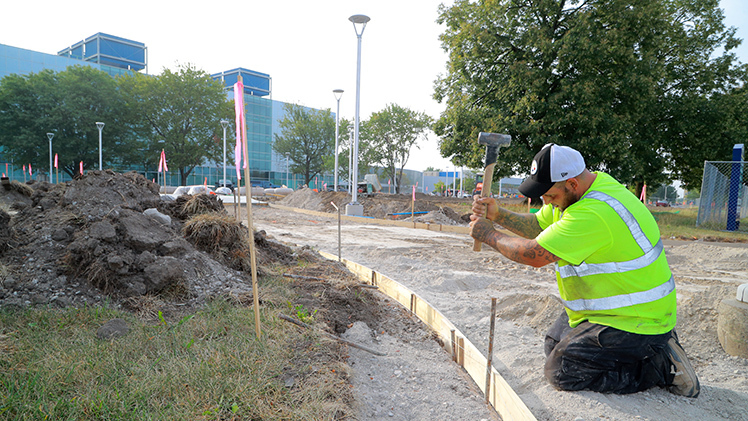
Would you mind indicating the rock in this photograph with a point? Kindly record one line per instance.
(732, 327)
(60, 301)
(102, 231)
(142, 233)
(10, 282)
(176, 247)
(158, 216)
(136, 289)
(114, 328)
(164, 272)
(47, 203)
(119, 263)
(60, 235)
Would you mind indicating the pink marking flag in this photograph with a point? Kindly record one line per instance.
(643, 197)
(81, 167)
(241, 143)
(161, 163)
(414, 193)
(55, 160)
(24, 169)
(163, 158)
(30, 174)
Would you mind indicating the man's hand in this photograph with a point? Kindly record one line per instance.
(525, 225)
(484, 207)
(521, 250)
(481, 228)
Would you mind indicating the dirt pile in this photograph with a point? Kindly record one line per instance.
(377, 205)
(111, 236)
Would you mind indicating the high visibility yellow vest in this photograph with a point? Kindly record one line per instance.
(619, 276)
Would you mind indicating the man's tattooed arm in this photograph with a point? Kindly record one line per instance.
(521, 250)
(525, 225)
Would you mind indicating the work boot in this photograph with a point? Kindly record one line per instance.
(685, 382)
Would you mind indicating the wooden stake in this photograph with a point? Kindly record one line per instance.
(461, 351)
(454, 345)
(330, 335)
(489, 356)
(252, 254)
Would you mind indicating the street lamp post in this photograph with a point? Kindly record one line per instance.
(50, 136)
(224, 124)
(287, 156)
(338, 93)
(100, 126)
(354, 208)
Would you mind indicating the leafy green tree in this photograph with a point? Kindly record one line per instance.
(178, 111)
(308, 136)
(706, 130)
(610, 78)
(430, 168)
(392, 133)
(665, 192)
(68, 104)
(440, 187)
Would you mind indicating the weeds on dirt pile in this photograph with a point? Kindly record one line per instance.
(207, 366)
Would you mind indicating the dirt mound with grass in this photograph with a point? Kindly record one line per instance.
(425, 208)
(109, 236)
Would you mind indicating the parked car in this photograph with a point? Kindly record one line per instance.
(228, 183)
(264, 184)
(662, 203)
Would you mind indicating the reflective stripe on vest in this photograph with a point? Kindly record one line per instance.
(650, 255)
(624, 300)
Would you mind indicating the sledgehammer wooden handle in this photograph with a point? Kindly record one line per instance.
(485, 192)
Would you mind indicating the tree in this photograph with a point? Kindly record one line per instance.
(602, 76)
(308, 136)
(179, 112)
(391, 134)
(440, 187)
(68, 104)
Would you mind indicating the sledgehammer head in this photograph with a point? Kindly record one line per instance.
(493, 142)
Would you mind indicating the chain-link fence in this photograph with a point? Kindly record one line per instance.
(724, 196)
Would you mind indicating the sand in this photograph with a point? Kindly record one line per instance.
(443, 269)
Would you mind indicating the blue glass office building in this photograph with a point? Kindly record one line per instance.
(118, 56)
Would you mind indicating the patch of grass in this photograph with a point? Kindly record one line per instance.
(206, 366)
(221, 236)
(680, 223)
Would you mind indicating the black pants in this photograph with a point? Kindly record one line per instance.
(604, 359)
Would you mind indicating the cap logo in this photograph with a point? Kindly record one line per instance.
(563, 174)
(534, 167)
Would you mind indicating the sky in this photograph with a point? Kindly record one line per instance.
(307, 47)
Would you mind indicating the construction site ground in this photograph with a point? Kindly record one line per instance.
(91, 241)
(442, 268)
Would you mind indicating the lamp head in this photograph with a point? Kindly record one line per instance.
(100, 125)
(338, 93)
(359, 19)
(224, 123)
(50, 136)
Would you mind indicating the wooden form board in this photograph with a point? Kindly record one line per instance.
(503, 398)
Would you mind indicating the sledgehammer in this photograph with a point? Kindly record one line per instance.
(493, 142)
